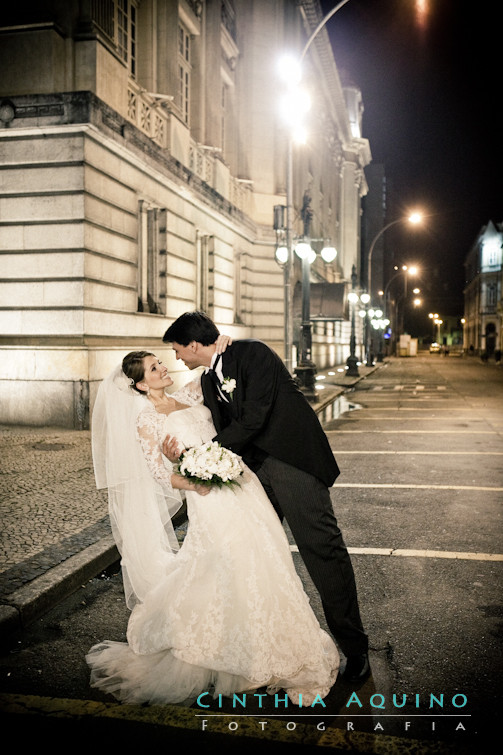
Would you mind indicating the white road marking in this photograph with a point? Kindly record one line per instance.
(412, 487)
(432, 453)
(455, 418)
(393, 408)
(456, 555)
(417, 432)
(410, 388)
(434, 399)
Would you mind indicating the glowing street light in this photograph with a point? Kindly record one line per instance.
(282, 254)
(328, 253)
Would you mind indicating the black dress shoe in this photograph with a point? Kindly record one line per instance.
(357, 668)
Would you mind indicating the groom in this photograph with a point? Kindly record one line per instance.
(260, 414)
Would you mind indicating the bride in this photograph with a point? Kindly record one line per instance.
(223, 613)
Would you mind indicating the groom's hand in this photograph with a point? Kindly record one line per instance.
(171, 448)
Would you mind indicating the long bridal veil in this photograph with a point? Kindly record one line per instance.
(140, 510)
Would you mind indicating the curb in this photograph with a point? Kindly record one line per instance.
(27, 604)
(183, 727)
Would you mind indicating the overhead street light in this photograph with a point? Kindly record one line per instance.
(414, 218)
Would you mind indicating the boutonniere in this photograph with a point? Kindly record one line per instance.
(229, 386)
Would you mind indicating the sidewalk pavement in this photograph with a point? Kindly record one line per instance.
(55, 528)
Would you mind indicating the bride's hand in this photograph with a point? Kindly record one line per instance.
(171, 448)
(202, 489)
(222, 342)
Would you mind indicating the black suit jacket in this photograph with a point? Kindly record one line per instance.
(268, 412)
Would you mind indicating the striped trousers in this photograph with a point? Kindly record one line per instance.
(304, 501)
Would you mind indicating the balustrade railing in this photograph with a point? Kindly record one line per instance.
(148, 115)
(154, 121)
(201, 162)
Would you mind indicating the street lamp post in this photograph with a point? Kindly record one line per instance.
(405, 271)
(433, 317)
(365, 299)
(379, 324)
(288, 260)
(284, 254)
(289, 264)
(306, 369)
(352, 362)
(413, 218)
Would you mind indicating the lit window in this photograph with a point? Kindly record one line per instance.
(491, 293)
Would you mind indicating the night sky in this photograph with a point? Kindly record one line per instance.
(430, 74)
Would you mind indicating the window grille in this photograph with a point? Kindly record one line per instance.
(184, 71)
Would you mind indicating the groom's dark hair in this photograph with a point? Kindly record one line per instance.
(192, 326)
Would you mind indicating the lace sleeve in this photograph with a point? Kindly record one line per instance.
(160, 467)
(191, 394)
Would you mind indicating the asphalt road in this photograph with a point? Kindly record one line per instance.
(419, 501)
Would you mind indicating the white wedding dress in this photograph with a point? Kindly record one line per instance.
(230, 613)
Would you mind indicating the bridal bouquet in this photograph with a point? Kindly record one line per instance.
(210, 464)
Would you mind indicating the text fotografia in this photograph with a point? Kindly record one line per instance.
(377, 700)
(379, 726)
(439, 706)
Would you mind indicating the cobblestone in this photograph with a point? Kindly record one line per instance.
(49, 505)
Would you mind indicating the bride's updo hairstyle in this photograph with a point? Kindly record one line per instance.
(134, 369)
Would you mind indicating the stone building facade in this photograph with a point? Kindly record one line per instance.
(141, 158)
(483, 294)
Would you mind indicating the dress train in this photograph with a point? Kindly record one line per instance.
(230, 613)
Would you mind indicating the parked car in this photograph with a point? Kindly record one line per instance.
(435, 348)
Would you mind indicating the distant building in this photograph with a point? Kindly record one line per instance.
(483, 311)
(374, 218)
(142, 156)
